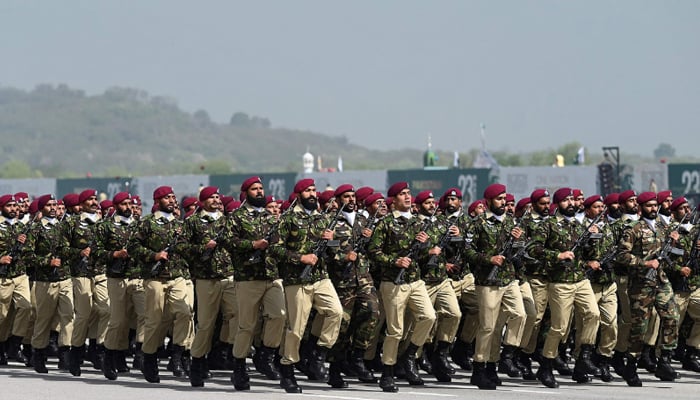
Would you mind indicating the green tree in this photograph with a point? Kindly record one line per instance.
(664, 150)
(15, 169)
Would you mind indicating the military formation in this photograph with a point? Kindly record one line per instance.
(350, 284)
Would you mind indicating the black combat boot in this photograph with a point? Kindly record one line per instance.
(507, 364)
(617, 362)
(27, 353)
(196, 372)
(266, 362)
(240, 378)
(63, 358)
(75, 359)
(358, 363)
(525, 364)
(664, 370)
(386, 382)
(545, 375)
(287, 380)
(335, 378)
(480, 378)
(14, 349)
(604, 365)
(3, 355)
(425, 359)
(138, 357)
(109, 368)
(91, 351)
(99, 357)
(150, 367)
(584, 368)
(460, 355)
(645, 359)
(317, 368)
(491, 373)
(690, 359)
(629, 374)
(442, 369)
(176, 360)
(561, 365)
(39, 361)
(52, 349)
(120, 361)
(408, 362)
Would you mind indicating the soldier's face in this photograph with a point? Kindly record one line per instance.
(273, 208)
(454, 204)
(348, 198)
(427, 207)
(510, 207)
(681, 212)
(665, 206)
(614, 210)
(124, 208)
(522, 211)
(60, 210)
(650, 209)
(168, 203)
(630, 206)
(578, 202)
(91, 205)
(541, 207)
(213, 203)
(595, 209)
(498, 205)
(378, 207)
(567, 206)
(10, 210)
(308, 198)
(402, 201)
(23, 207)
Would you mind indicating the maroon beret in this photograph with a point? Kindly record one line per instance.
(303, 185)
(105, 205)
(325, 197)
(207, 192)
(453, 192)
(8, 198)
(137, 199)
(493, 190)
(677, 203)
(188, 201)
(369, 200)
(161, 192)
(71, 199)
(562, 194)
(226, 199)
(538, 194)
(342, 189)
(363, 192)
(285, 205)
(663, 195)
(442, 203)
(522, 203)
(612, 198)
(86, 194)
(291, 197)
(34, 207)
(472, 207)
(269, 199)
(646, 196)
(626, 195)
(577, 192)
(510, 198)
(232, 206)
(121, 196)
(43, 200)
(189, 213)
(60, 202)
(423, 196)
(592, 199)
(389, 201)
(396, 188)
(21, 196)
(552, 208)
(249, 182)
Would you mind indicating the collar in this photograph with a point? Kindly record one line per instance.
(93, 218)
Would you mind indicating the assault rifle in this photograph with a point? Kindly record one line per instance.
(444, 241)
(256, 257)
(415, 246)
(15, 250)
(321, 245)
(693, 263)
(361, 243)
(117, 266)
(665, 251)
(158, 266)
(509, 250)
(82, 267)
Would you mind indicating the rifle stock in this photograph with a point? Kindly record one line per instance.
(321, 246)
(414, 247)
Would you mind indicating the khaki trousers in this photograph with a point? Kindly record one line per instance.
(82, 303)
(563, 299)
(320, 295)
(99, 317)
(213, 295)
(690, 303)
(53, 299)
(175, 295)
(126, 296)
(15, 292)
(624, 320)
(378, 333)
(540, 295)
(465, 290)
(397, 300)
(446, 306)
(530, 315)
(606, 297)
(494, 301)
(253, 296)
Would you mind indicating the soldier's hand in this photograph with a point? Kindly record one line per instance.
(210, 244)
(120, 254)
(497, 260)
(5, 260)
(595, 265)
(22, 238)
(367, 232)
(697, 244)
(435, 251)
(55, 262)
(260, 244)
(351, 256)
(565, 255)
(516, 233)
(685, 272)
(161, 256)
(422, 237)
(403, 262)
(327, 235)
(452, 268)
(593, 229)
(652, 264)
(309, 259)
(674, 235)
(85, 252)
(454, 230)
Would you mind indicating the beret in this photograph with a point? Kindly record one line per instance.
(71, 199)
(677, 203)
(442, 203)
(303, 185)
(396, 188)
(552, 208)
(161, 192)
(577, 192)
(154, 208)
(121, 196)
(325, 197)
(474, 205)
(21, 196)
(423, 196)
(453, 192)
(363, 192)
(612, 198)
(43, 200)
(562, 194)
(291, 197)
(592, 199)
(106, 204)
(34, 207)
(232, 206)
(189, 213)
(226, 199)
(626, 195)
(372, 198)
(86, 194)
(342, 189)
(8, 198)
(285, 205)
(493, 190)
(269, 199)
(522, 203)
(510, 198)
(137, 199)
(60, 202)
(663, 195)
(389, 201)
(188, 201)
(538, 194)
(207, 192)
(646, 196)
(249, 182)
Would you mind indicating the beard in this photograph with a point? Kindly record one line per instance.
(309, 203)
(126, 213)
(665, 212)
(498, 210)
(615, 212)
(633, 210)
(9, 215)
(258, 201)
(451, 209)
(569, 211)
(650, 214)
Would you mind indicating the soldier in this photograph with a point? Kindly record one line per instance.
(497, 287)
(258, 285)
(639, 246)
(510, 204)
(53, 287)
(137, 208)
(14, 282)
(396, 247)
(302, 233)
(158, 245)
(72, 202)
(614, 212)
(23, 203)
(665, 199)
(124, 285)
(579, 198)
(557, 242)
(476, 208)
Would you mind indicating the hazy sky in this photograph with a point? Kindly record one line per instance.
(386, 73)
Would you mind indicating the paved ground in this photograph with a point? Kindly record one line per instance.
(18, 382)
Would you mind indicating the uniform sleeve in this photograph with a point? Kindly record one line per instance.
(625, 256)
(375, 249)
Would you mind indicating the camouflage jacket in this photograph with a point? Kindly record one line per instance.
(686, 242)
(605, 248)
(393, 238)
(299, 234)
(555, 235)
(434, 269)
(79, 232)
(246, 225)
(198, 230)
(534, 267)
(346, 274)
(158, 232)
(618, 228)
(9, 245)
(115, 234)
(44, 243)
(454, 252)
(486, 238)
(639, 244)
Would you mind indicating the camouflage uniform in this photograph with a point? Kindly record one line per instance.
(537, 278)
(14, 283)
(624, 319)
